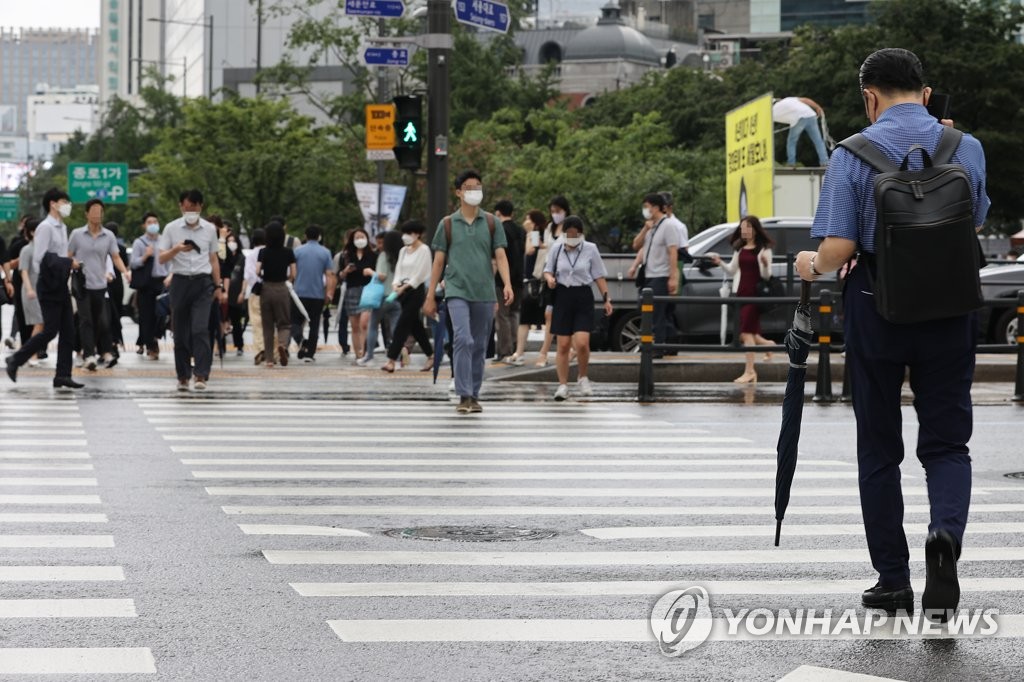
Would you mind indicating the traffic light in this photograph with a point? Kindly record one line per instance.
(408, 131)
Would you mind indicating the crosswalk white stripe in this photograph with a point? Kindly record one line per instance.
(273, 405)
(20, 454)
(538, 510)
(592, 630)
(399, 491)
(611, 588)
(666, 448)
(51, 430)
(389, 410)
(55, 541)
(35, 466)
(595, 421)
(67, 608)
(25, 481)
(470, 438)
(552, 429)
(504, 462)
(49, 499)
(790, 530)
(284, 529)
(55, 574)
(76, 661)
(814, 673)
(48, 442)
(519, 475)
(631, 558)
(53, 517)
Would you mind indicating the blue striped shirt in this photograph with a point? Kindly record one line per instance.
(846, 207)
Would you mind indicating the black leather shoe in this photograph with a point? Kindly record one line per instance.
(941, 589)
(66, 382)
(890, 599)
(12, 370)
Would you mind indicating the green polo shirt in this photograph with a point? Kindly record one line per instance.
(468, 272)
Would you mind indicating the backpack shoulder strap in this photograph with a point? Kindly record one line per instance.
(863, 149)
(448, 232)
(948, 143)
(490, 224)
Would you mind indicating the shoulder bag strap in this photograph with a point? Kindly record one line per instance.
(948, 143)
(862, 148)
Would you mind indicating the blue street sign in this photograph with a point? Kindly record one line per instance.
(386, 56)
(483, 14)
(375, 8)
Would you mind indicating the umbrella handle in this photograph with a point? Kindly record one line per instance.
(805, 293)
(778, 531)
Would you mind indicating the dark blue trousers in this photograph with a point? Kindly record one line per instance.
(940, 357)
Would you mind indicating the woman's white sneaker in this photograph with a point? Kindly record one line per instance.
(562, 393)
(585, 387)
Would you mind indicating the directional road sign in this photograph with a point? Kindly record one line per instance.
(106, 181)
(483, 14)
(9, 204)
(386, 56)
(375, 8)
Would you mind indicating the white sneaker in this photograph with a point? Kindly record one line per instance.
(515, 360)
(451, 386)
(33, 363)
(364, 361)
(562, 393)
(586, 388)
(91, 363)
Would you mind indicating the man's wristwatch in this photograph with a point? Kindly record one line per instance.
(220, 286)
(814, 270)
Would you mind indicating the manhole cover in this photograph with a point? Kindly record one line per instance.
(471, 533)
(1015, 474)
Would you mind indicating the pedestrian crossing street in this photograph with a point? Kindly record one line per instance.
(640, 506)
(51, 521)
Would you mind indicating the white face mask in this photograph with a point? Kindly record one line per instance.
(647, 213)
(64, 209)
(573, 241)
(191, 217)
(473, 197)
(360, 243)
(153, 228)
(557, 218)
(233, 246)
(408, 239)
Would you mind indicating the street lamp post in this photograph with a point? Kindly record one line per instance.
(207, 24)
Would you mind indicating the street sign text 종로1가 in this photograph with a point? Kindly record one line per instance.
(105, 181)
(483, 13)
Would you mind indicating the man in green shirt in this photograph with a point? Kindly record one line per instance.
(469, 283)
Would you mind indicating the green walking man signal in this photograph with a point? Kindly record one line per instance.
(409, 126)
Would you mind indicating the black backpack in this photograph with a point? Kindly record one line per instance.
(926, 248)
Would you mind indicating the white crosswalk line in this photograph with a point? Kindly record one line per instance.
(80, 661)
(790, 530)
(601, 558)
(538, 510)
(666, 449)
(592, 630)
(813, 673)
(48, 442)
(425, 461)
(44, 430)
(518, 431)
(25, 481)
(520, 475)
(472, 438)
(49, 499)
(513, 425)
(611, 588)
(284, 529)
(24, 454)
(59, 574)
(34, 466)
(52, 517)
(56, 541)
(399, 491)
(67, 608)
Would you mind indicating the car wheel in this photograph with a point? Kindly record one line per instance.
(1006, 328)
(626, 333)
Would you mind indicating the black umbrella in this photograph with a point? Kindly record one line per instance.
(798, 345)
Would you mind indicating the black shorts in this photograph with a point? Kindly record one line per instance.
(574, 311)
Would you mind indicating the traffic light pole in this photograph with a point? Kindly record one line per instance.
(382, 96)
(438, 101)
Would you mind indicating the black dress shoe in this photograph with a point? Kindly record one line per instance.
(941, 589)
(66, 382)
(890, 599)
(12, 369)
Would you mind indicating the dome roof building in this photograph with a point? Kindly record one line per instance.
(612, 39)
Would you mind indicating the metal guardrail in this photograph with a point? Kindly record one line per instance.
(825, 301)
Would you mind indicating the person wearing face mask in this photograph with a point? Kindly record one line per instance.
(466, 245)
(148, 281)
(658, 257)
(385, 318)
(359, 263)
(572, 266)
(50, 260)
(314, 285)
(409, 283)
(558, 208)
(189, 244)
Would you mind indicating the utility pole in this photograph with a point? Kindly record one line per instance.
(382, 96)
(438, 104)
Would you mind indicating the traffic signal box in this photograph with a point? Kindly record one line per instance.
(408, 131)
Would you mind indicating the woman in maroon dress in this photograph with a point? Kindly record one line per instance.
(751, 262)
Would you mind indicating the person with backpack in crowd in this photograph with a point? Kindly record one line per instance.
(275, 266)
(148, 275)
(314, 285)
(466, 245)
(912, 312)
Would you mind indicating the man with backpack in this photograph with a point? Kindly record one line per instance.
(908, 302)
(506, 320)
(464, 245)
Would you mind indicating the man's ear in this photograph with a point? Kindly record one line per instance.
(927, 95)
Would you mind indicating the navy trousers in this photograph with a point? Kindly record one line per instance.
(940, 357)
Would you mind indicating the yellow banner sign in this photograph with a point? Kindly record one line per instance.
(750, 160)
(380, 126)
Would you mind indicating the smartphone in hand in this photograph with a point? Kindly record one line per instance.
(938, 105)
(195, 247)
